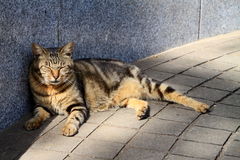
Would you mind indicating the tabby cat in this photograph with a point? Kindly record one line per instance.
(63, 86)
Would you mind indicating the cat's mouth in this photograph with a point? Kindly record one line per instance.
(55, 82)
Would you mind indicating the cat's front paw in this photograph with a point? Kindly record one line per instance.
(69, 130)
(202, 108)
(32, 124)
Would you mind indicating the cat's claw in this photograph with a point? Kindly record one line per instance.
(202, 108)
(69, 130)
(141, 114)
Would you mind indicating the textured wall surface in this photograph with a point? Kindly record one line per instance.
(124, 29)
(218, 17)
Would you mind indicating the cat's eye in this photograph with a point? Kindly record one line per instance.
(45, 69)
(65, 69)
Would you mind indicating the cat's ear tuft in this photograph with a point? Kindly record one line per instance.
(37, 50)
(67, 50)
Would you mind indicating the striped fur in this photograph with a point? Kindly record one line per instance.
(63, 86)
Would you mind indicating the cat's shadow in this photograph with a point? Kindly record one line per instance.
(20, 140)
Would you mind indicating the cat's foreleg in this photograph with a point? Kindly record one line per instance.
(40, 114)
(77, 116)
(170, 94)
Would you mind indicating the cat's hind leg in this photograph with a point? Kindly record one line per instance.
(140, 106)
(127, 96)
(40, 114)
(167, 93)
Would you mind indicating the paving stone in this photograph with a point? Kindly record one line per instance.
(15, 140)
(233, 149)
(58, 128)
(42, 154)
(218, 122)
(100, 117)
(8, 154)
(151, 61)
(237, 53)
(156, 106)
(229, 158)
(231, 75)
(201, 72)
(198, 150)
(222, 84)
(233, 59)
(136, 153)
(176, 52)
(125, 117)
(205, 54)
(237, 92)
(188, 61)
(226, 47)
(157, 75)
(226, 111)
(78, 157)
(114, 134)
(176, 157)
(57, 143)
(182, 50)
(98, 149)
(159, 126)
(237, 68)
(207, 93)
(185, 80)
(237, 136)
(177, 114)
(86, 129)
(233, 99)
(170, 68)
(207, 135)
(216, 65)
(153, 141)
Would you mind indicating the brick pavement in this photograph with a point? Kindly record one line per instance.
(207, 70)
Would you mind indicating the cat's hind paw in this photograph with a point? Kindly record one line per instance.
(69, 130)
(142, 113)
(202, 108)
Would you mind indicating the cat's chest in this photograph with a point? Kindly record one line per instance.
(55, 100)
(56, 104)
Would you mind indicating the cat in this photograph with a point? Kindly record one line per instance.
(61, 85)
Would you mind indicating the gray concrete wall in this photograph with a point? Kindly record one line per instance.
(124, 29)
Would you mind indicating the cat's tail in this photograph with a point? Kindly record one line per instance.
(156, 90)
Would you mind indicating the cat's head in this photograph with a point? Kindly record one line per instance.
(53, 65)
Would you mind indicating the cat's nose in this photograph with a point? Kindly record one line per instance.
(55, 74)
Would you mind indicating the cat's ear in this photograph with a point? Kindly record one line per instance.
(67, 50)
(38, 51)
